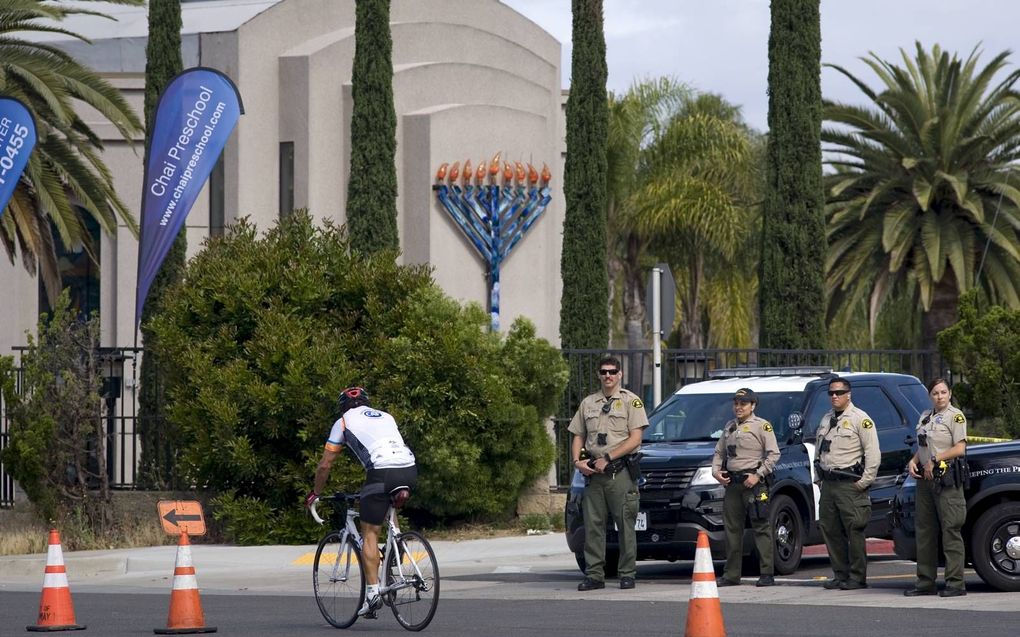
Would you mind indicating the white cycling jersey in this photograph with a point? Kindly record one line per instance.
(373, 437)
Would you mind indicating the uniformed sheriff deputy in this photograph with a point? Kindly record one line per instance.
(607, 427)
(745, 456)
(847, 463)
(939, 470)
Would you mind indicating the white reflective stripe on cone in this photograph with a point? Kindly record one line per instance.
(54, 556)
(703, 561)
(55, 580)
(184, 555)
(185, 582)
(702, 590)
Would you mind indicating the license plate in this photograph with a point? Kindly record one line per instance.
(640, 524)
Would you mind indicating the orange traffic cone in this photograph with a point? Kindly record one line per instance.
(56, 612)
(186, 614)
(704, 613)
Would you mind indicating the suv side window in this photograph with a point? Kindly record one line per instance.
(818, 404)
(874, 401)
(916, 395)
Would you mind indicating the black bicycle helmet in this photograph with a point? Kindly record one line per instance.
(350, 398)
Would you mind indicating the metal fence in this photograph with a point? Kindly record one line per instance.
(119, 369)
(680, 367)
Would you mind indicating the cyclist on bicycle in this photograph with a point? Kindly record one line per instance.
(372, 435)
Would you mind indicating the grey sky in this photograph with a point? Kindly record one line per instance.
(722, 45)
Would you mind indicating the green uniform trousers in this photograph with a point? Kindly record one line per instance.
(735, 505)
(608, 495)
(942, 510)
(843, 514)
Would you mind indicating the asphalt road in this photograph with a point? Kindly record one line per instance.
(115, 615)
(496, 587)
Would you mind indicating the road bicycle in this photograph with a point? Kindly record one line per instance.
(409, 575)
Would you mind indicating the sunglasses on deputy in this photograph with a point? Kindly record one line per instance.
(838, 392)
(608, 372)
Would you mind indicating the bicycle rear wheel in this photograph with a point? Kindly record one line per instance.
(338, 577)
(413, 570)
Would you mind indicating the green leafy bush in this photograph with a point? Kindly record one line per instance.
(57, 447)
(984, 348)
(265, 332)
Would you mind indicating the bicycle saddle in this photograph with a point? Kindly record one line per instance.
(400, 496)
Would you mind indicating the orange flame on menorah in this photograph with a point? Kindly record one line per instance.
(517, 172)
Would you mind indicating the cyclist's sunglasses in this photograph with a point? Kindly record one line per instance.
(608, 372)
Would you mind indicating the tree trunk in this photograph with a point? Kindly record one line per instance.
(943, 312)
(692, 332)
(633, 306)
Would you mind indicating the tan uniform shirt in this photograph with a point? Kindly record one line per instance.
(854, 439)
(756, 446)
(943, 430)
(626, 412)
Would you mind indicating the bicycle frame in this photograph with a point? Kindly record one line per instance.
(392, 549)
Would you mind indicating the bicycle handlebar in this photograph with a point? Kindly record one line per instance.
(339, 497)
(315, 513)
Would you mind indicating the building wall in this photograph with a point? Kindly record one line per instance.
(470, 79)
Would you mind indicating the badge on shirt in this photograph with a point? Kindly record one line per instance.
(637, 404)
(938, 419)
(867, 424)
(745, 429)
(959, 418)
(767, 427)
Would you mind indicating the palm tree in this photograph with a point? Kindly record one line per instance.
(65, 178)
(924, 197)
(697, 203)
(636, 119)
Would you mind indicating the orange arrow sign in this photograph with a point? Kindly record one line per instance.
(181, 516)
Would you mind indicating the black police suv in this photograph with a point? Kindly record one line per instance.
(679, 496)
(991, 533)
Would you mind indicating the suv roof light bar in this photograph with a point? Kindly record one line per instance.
(746, 372)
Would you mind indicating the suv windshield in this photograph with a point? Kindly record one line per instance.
(694, 417)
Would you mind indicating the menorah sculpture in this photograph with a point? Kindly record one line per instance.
(494, 217)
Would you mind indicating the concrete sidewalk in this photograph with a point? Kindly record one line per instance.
(269, 569)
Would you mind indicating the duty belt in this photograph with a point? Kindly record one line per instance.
(839, 475)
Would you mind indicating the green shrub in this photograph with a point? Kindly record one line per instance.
(265, 332)
(57, 448)
(983, 348)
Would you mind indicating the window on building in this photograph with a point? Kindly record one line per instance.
(286, 178)
(216, 199)
(78, 272)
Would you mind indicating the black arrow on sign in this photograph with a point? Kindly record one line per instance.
(173, 518)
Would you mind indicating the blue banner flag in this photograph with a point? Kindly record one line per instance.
(17, 139)
(194, 118)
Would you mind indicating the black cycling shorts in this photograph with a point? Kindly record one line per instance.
(379, 484)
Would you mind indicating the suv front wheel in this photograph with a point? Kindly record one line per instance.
(995, 546)
(787, 533)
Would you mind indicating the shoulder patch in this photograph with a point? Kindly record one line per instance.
(766, 426)
(637, 404)
(959, 418)
(867, 424)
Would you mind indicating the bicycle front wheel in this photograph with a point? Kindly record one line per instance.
(338, 577)
(414, 574)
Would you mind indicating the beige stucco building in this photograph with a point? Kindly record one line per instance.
(471, 77)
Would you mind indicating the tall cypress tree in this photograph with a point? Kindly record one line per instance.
(372, 190)
(584, 313)
(792, 291)
(162, 62)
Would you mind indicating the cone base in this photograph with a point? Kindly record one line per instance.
(50, 629)
(184, 631)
